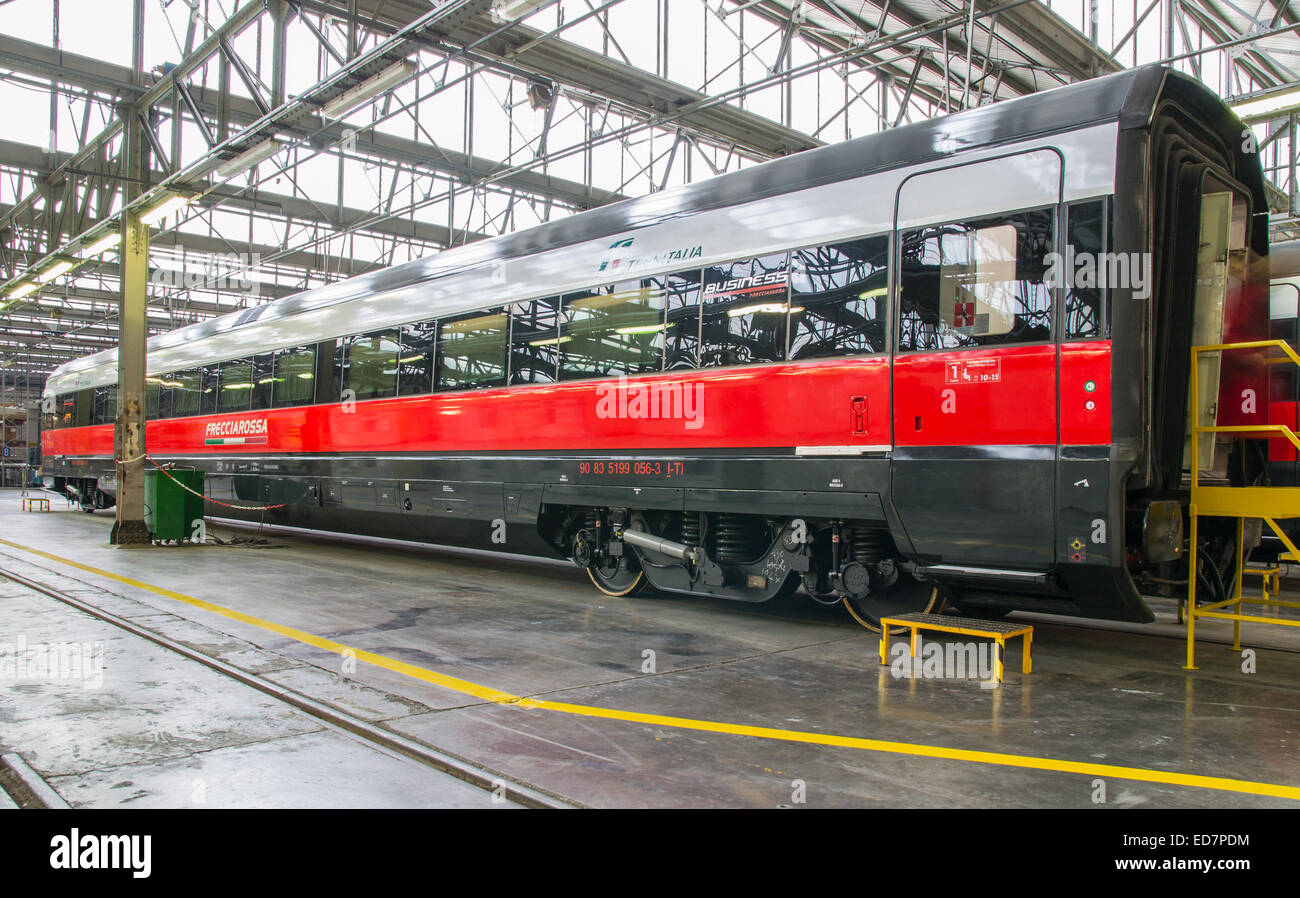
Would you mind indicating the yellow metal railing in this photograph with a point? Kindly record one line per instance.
(1270, 504)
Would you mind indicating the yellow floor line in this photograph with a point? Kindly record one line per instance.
(495, 695)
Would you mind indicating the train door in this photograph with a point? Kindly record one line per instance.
(1208, 302)
(1228, 307)
(975, 371)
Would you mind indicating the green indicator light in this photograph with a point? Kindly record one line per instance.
(1090, 386)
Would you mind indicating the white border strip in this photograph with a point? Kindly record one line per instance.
(841, 450)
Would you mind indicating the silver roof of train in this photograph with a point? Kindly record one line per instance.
(796, 201)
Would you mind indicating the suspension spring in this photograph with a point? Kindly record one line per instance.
(691, 528)
(736, 538)
(868, 545)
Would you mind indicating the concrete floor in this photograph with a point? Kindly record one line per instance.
(141, 726)
(1100, 694)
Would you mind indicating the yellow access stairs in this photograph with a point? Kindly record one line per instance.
(1270, 504)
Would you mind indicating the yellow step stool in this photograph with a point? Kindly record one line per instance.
(998, 631)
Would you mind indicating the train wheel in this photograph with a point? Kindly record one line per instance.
(904, 597)
(620, 576)
(1211, 585)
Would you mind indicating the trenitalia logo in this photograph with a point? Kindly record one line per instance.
(617, 260)
(248, 432)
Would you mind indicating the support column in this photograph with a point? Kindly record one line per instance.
(129, 429)
(280, 14)
(1291, 151)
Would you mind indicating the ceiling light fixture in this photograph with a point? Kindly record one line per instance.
(107, 242)
(156, 213)
(54, 271)
(1268, 106)
(390, 77)
(232, 168)
(513, 10)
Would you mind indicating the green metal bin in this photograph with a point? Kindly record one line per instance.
(169, 510)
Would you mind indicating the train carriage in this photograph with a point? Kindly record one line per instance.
(949, 360)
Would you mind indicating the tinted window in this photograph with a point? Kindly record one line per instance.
(415, 362)
(613, 330)
(977, 283)
(167, 386)
(105, 405)
(370, 364)
(472, 351)
(1084, 302)
(533, 340)
(67, 406)
(210, 377)
(152, 397)
(744, 311)
(236, 388)
(263, 381)
(189, 391)
(294, 371)
(682, 337)
(840, 299)
(85, 407)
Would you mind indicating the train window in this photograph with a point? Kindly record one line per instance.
(1085, 311)
(370, 365)
(1284, 304)
(263, 379)
(415, 364)
(839, 299)
(340, 366)
(105, 405)
(472, 351)
(166, 394)
(189, 390)
(976, 283)
(325, 385)
(209, 378)
(533, 341)
(682, 333)
(152, 397)
(236, 386)
(85, 407)
(613, 330)
(67, 409)
(295, 377)
(744, 311)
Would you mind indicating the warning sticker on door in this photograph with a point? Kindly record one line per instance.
(973, 371)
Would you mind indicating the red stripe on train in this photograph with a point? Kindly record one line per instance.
(838, 402)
